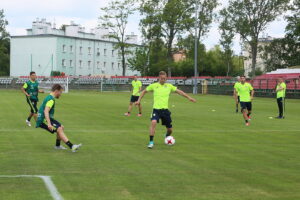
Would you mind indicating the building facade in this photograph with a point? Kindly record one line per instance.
(260, 64)
(70, 50)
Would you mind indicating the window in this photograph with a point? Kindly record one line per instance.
(71, 48)
(119, 54)
(104, 65)
(80, 63)
(64, 48)
(71, 63)
(112, 65)
(63, 63)
(112, 53)
(98, 52)
(80, 50)
(98, 65)
(89, 64)
(89, 49)
(105, 52)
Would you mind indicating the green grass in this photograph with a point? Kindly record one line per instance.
(216, 157)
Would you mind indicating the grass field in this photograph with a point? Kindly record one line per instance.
(216, 157)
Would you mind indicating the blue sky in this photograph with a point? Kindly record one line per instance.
(21, 13)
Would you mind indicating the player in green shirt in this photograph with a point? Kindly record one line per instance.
(246, 92)
(280, 94)
(236, 95)
(161, 93)
(46, 119)
(136, 90)
(31, 91)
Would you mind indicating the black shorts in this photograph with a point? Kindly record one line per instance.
(246, 105)
(164, 115)
(134, 98)
(33, 105)
(54, 123)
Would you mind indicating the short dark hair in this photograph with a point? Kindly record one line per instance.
(56, 87)
(32, 73)
(243, 76)
(162, 73)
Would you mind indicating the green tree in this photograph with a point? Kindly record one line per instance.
(249, 18)
(4, 46)
(226, 40)
(115, 17)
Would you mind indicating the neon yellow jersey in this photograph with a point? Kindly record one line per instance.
(236, 85)
(161, 94)
(281, 93)
(244, 91)
(136, 85)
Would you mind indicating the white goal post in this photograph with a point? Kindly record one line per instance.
(48, 82)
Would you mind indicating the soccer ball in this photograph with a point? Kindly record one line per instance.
(169, 140)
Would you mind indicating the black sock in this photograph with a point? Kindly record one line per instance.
(57, 143)
(246, 121)
(29, 118)
(69, 144)
(151, 138)
(128, 112)
(140, 113)
(168, 134)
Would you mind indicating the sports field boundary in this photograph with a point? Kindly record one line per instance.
(46, 179)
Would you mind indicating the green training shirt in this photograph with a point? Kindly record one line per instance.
(281, 93)
(161, 94)
(244, 92)
(49, 101)
(236, 85)
(136, 85)
(32, 88)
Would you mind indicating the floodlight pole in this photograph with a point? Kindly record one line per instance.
(195, 88)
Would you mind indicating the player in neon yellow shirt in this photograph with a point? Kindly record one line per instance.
(161, 93)
(246, 92)
(280, 94)
(236, 95)
(136, 92)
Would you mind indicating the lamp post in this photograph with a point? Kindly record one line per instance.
(195, 88)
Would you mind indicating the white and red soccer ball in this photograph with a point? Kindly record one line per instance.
(169, 140)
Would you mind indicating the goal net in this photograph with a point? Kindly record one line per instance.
(47, 83)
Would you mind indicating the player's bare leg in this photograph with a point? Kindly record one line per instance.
(152, 133)
(64, 138)
(129, 109)
(245, 115)
(140, 110)
(169, 132)
(29, 118)
(58, 140)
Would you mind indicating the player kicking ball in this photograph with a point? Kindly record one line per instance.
(31, 91)
(46, 121)
(161, 93)
(244, 89)
(136, 90)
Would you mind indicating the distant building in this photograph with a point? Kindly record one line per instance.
(179, 56)
(262, 42)
(70, 50)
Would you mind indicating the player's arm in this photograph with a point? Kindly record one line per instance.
(141, 97)
(182, 93)
(46, 112)
(252, 94)
(23, 89)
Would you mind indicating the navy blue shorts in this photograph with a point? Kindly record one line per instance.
(164, 115)
(33, 105)
(54, 123)
(134, 98)
(246, 105)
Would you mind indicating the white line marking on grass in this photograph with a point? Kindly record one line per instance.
(47, 180)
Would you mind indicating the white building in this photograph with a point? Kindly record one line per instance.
(70, 50)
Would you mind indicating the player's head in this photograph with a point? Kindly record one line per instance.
(162, 77)
(243, 79)
(57, 90)
(135, 78)
(280, 79)
(32, 76)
